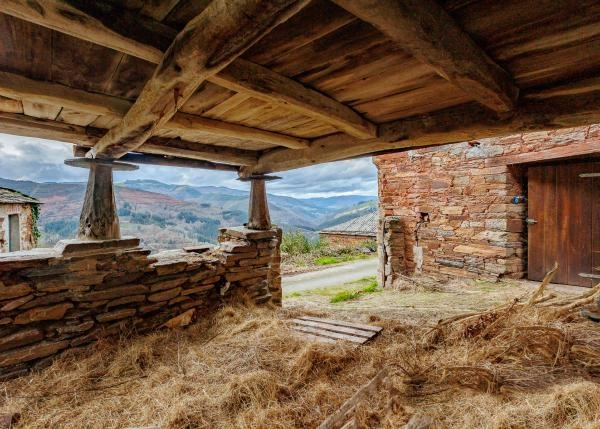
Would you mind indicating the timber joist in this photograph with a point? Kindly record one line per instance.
(269, 86)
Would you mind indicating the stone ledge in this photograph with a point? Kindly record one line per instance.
(247, 233)
(92, 247)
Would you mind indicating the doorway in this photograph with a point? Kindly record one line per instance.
(14, 233)
(564, 222)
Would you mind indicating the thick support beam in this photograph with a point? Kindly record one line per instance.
(268, 85)
(258, 208)
(210, 42)
(247, 77)
(466, 123)
(36, 91)
(23, 125)
(99, 219)
(425, 30)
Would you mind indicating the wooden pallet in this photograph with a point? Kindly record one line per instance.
(330, 331)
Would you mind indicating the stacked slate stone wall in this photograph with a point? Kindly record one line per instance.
(70, 296)
(448, 211)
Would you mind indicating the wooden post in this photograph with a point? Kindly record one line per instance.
(258, 209)
(99, 219)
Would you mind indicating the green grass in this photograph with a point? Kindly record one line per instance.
(329, 260)
(367, 285)
(346, 295)
(296, 294)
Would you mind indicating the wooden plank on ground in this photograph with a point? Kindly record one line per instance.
(343, 323)
(317, 338)
(334, 328)
(330, 334)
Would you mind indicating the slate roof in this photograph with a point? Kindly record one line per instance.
(10, 196)
(363, 225)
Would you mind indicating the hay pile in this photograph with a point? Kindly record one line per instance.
(529, 364)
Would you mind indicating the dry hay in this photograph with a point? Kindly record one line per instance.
(521, 365)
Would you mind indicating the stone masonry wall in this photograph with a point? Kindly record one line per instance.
(447, 211)
(25, 225)
(345, 240)
(70, 296)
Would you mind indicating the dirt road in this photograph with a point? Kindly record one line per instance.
(333, 276)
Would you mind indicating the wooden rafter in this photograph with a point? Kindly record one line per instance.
(260, 82)
(163, 160)
(209, 43)
(103, 31)
(22, 88)
(425, 30)
(469, 122)
(22, 125)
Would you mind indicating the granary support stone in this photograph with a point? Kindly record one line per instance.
(99, 219)
(258, 209)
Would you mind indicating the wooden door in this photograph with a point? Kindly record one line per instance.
(14, 233)
(564, 222)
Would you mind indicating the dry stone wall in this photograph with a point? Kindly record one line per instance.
(70, 296)
(448, 211)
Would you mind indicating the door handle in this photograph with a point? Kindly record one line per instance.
(530, 221)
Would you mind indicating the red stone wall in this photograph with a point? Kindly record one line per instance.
(345, 240)
(473, 228)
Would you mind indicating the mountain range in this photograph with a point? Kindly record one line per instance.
(171, 216)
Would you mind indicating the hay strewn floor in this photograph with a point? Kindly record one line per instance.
(517, 366)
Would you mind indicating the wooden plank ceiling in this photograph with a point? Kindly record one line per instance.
(271, 86)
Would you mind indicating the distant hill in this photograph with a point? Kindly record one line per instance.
(348, 213)
(171, 216)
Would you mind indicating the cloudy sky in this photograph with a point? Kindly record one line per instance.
(25, 158)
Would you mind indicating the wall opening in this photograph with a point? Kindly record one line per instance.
(14, 233)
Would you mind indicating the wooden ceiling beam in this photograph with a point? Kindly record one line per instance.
(425, 30)
(25, 89)
(163, 160)
(207, 44)
(247, 77)
(465, 123)
(72, 17)
(23, 125)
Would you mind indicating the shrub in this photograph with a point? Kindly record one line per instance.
(296, 243)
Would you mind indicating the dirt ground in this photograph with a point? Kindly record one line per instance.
(421, 300)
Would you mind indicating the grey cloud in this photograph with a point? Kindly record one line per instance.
(23, 158)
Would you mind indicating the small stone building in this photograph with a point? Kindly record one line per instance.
(353, 232)
(492, 208)
(17, 221)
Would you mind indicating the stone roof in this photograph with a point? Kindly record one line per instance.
(363, 225)
(10, 196)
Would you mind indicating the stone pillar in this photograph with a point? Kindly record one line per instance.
(258, 207)
(99, 219)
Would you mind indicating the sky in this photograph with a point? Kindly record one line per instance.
(38, 160)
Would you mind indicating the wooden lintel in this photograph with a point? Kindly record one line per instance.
(247, 77)
(23, 125)
(36, 91)
(425, 30)
(588, 147)
(164, 160)
(208, 43)
(465, 123)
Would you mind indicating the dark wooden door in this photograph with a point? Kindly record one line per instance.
(564, 222)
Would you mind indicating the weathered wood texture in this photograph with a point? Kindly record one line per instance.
(211, 41)
(447, 126)
(99, 220)
(55, 94)
(258, 209)
(325, 70)
(565, 231)
(21, 125)
(424, 28)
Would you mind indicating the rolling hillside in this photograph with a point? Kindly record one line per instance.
(171, 216)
